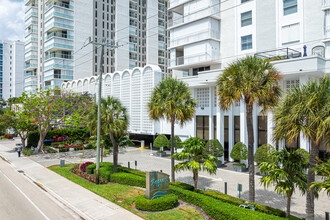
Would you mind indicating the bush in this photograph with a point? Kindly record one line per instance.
(128, 179)
(183, 185)
(128, 170)
(73, 134)
(84, 165)
(105, 173)
(216, 208)
(27, 152)
(90, 168)
(239, 152)
(158, 204)
(161, 141)
(8, 136)
(223, 197)
(178, 144)
(268, 210)
(214, 148)
(263, 152)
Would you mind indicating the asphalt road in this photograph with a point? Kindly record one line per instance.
(20, 198)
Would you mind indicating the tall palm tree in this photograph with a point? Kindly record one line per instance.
(306, 109)
(286, 171)
(171, 100)
(196, 158)
(114, 122)
(255, 81)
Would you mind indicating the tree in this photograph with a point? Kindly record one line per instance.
(286, 172)
(171, 100)
(323, 169)
(263, 152)
(306, 110)
(5, 120)
(161, 141)
(196, 158)
(114, 122)
(53, 107)
(214, 148)
(178, 143)
(256, 82)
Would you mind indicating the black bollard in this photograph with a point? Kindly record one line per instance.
(129, 165)
(225, 187)
(135, 164)
(327, 216)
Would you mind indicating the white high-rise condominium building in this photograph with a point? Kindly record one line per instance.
(57, 33)
(207, 35)
(11, 68)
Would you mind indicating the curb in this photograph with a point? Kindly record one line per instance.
(55, 196)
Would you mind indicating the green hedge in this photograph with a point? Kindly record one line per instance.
(268, 210)
(128, 179)
(159, 204)
(183, 185)
(132, 171)
(216, 208)
(91, 168)
(223, 197)
(33, 136)
(105, 173)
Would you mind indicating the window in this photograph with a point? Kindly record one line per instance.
(291, 84)
(237, 131)
(200, 69)
(290, 34)
(262, 130)
(203, 97)
(246, 42)
(226, 138)
(289, 7)
(242, 1)
(202, 127)
(246, 18)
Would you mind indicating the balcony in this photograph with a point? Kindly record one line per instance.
(195, 37)
(58, 66)
(29, 73)
(161, 30)
(59, 35)
(32, 12)
(176, 3)
(30, 31)
(59, 4)
(191, 61)
(30, 66)
(279, 54)
(161, 46)
(32, 5)
(59, 12)
(132, 48)
(133, 15)
(212, 11)
(58, 24)
(134, 7)
(58, 55)
(132, 31)
(325, 4)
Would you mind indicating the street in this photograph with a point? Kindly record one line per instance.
(22, 199)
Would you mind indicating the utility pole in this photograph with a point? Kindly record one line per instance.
(103, 44)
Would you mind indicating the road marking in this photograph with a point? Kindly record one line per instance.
(35, 206)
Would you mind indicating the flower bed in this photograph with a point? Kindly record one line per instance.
(86, 176)
(66, 146)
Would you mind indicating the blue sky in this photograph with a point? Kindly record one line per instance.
(12, 20)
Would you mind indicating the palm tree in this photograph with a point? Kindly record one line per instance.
(306, 110)
(114, 122)
(322, 168)
(286, 172)
(171, 100)
(196, 158)
(255, 81)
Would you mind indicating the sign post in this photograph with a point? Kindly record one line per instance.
(158, 184)
(239, 188)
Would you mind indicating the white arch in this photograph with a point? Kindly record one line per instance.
(147, 85)
(125, 91)
(74, 86)
(92, 87)
(79, 86)
(85, 85)
(107, 86)
(116, 85)
(135, 119)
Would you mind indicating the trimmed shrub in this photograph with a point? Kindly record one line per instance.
(27, 152)
(223, 197)
(263, 152)
(128, 179)
(239, 152)
(183, 185)
(161, 141)
(158, 204)
(84, 165)
(8, 136)
(105, 173)
(214, 148)
(268, 210)
(178, 144)
(128, 170)
(216, 208)
(90, 168)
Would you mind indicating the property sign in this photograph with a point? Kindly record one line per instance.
(158, 184)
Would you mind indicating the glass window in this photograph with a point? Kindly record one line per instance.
(246, 18)
(246, 42)
(215, 127)
(237, 126)
(262, 130)
(289, 7)
(202, 127)
(242, 1)
(226, 137)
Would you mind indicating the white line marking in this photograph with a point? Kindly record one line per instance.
(35, 206)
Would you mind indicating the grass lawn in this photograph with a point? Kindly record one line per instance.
(124, 196)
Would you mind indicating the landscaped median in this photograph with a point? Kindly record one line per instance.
(214, 204)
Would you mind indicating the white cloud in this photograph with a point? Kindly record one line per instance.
(12, 20)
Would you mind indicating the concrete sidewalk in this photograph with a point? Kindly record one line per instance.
(80, 200)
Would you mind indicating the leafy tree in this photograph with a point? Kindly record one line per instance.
(195, 158)
(178, 142)
(263, 152)
(239, 152)
(323, 169)
(3, 104)
(214, 148)
(161, 141)
(286, 172)
(256, 82)
(5, 120)
(114, 122)
(171, 100)
(306, 110)
(54, 108)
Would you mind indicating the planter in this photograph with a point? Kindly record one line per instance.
(238, 168)
(161, 154)
(219, 164)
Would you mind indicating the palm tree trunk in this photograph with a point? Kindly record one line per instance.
(288, 206)
(172, 152)
(310, 179)
(195, 177)
(115, 152)
(249, 123)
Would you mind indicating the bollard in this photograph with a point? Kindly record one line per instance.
(239, 188)
(225, 187)
(327, 216)
(62, 163)
(161, 171)
(128, 165)
(135, 164)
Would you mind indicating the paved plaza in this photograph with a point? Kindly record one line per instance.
(148, 162)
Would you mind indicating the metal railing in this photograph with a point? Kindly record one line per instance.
(59, 55)
(279, 54)
(61, 4)
(58, 34)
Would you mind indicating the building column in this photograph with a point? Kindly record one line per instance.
(211, 104)
(231, 130)
(255, 128)
(270, 128)
(243, 128)
(220, 128)
(303, 141)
